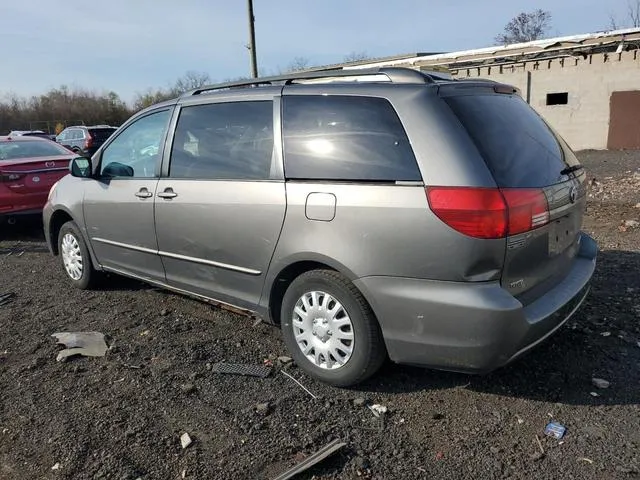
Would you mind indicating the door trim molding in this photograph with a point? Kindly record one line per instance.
(211, 263)
(128, 246)
(202, 261)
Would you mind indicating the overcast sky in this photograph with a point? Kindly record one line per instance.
(130, 45)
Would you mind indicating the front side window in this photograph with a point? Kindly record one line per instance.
(345, 138)
(231, 141)
(135, 152)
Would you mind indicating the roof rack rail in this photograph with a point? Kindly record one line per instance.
(395, 75)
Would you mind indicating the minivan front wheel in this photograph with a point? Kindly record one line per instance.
(75, 257)
(330, 329)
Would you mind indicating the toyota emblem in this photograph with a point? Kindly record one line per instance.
(50, 164)
(573, 194)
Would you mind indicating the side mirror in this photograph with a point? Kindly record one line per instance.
(80, 167)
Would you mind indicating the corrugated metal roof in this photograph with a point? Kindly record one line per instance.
(566, 43)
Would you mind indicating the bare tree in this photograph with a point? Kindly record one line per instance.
(526, 27)
(632, 19)
(297, 64)
(633, 10)
(189, 81)
(356, 57)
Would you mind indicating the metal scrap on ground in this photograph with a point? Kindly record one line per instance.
(312, 460)
(301, 386)
(88, 344)
(6, 298)
(261, 371)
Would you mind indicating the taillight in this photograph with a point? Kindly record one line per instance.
(88, 142)
(489, 212)
(528, 209)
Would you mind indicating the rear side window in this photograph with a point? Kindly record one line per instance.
(101, 134)
(518, 146)
(345, 138)
(224, 141)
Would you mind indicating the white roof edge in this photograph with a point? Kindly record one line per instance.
(496, 49)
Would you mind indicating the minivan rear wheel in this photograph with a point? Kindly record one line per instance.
(330, 329)
(75, 258)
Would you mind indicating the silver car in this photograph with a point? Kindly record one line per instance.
(404, 215)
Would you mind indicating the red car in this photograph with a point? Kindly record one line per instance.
(29, 166)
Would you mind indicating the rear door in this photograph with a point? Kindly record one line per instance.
(527, 160)
(220, 205)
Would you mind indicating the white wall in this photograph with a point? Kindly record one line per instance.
(584, 121)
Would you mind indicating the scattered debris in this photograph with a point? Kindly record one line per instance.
(585, 459)
(6, 298)
(554, 430)
(261, 371)
(188, 387)
(535, 456)
(637, 205)
(185, 440)
(56, 467)
(164, 312)
(268, 362)
(520, 420)
(631, 223)
(312, 460)
(257, 322)
(302, 386)
(183, 474)
(284, 360)
(132, 367)
(438, 416)
(88, 344)
(600, 383)
(606, 334)
(358, 402)
(144, 333)
(377, 410)
(21, 253)
(262, 408)
(439, 455)
(594, 394)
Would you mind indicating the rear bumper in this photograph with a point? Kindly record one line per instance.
(471, 327)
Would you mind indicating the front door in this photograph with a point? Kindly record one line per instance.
(221, 202)
(118, 205)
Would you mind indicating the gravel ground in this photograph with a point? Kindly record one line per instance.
(121, 416)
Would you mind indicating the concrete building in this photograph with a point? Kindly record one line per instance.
(586, 86)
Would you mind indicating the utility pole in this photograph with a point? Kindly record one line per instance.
(252, 40)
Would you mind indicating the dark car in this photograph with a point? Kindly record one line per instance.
(85, 140)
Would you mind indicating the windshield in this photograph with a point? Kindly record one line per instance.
(13, 150)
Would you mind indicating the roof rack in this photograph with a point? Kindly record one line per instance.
(395, 75)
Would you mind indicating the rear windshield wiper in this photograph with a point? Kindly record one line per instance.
(571, 169)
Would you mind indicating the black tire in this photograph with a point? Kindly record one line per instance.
(369, 352)
(89, 278)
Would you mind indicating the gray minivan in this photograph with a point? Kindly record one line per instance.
(388, 213)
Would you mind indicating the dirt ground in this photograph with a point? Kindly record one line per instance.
(121, 416)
